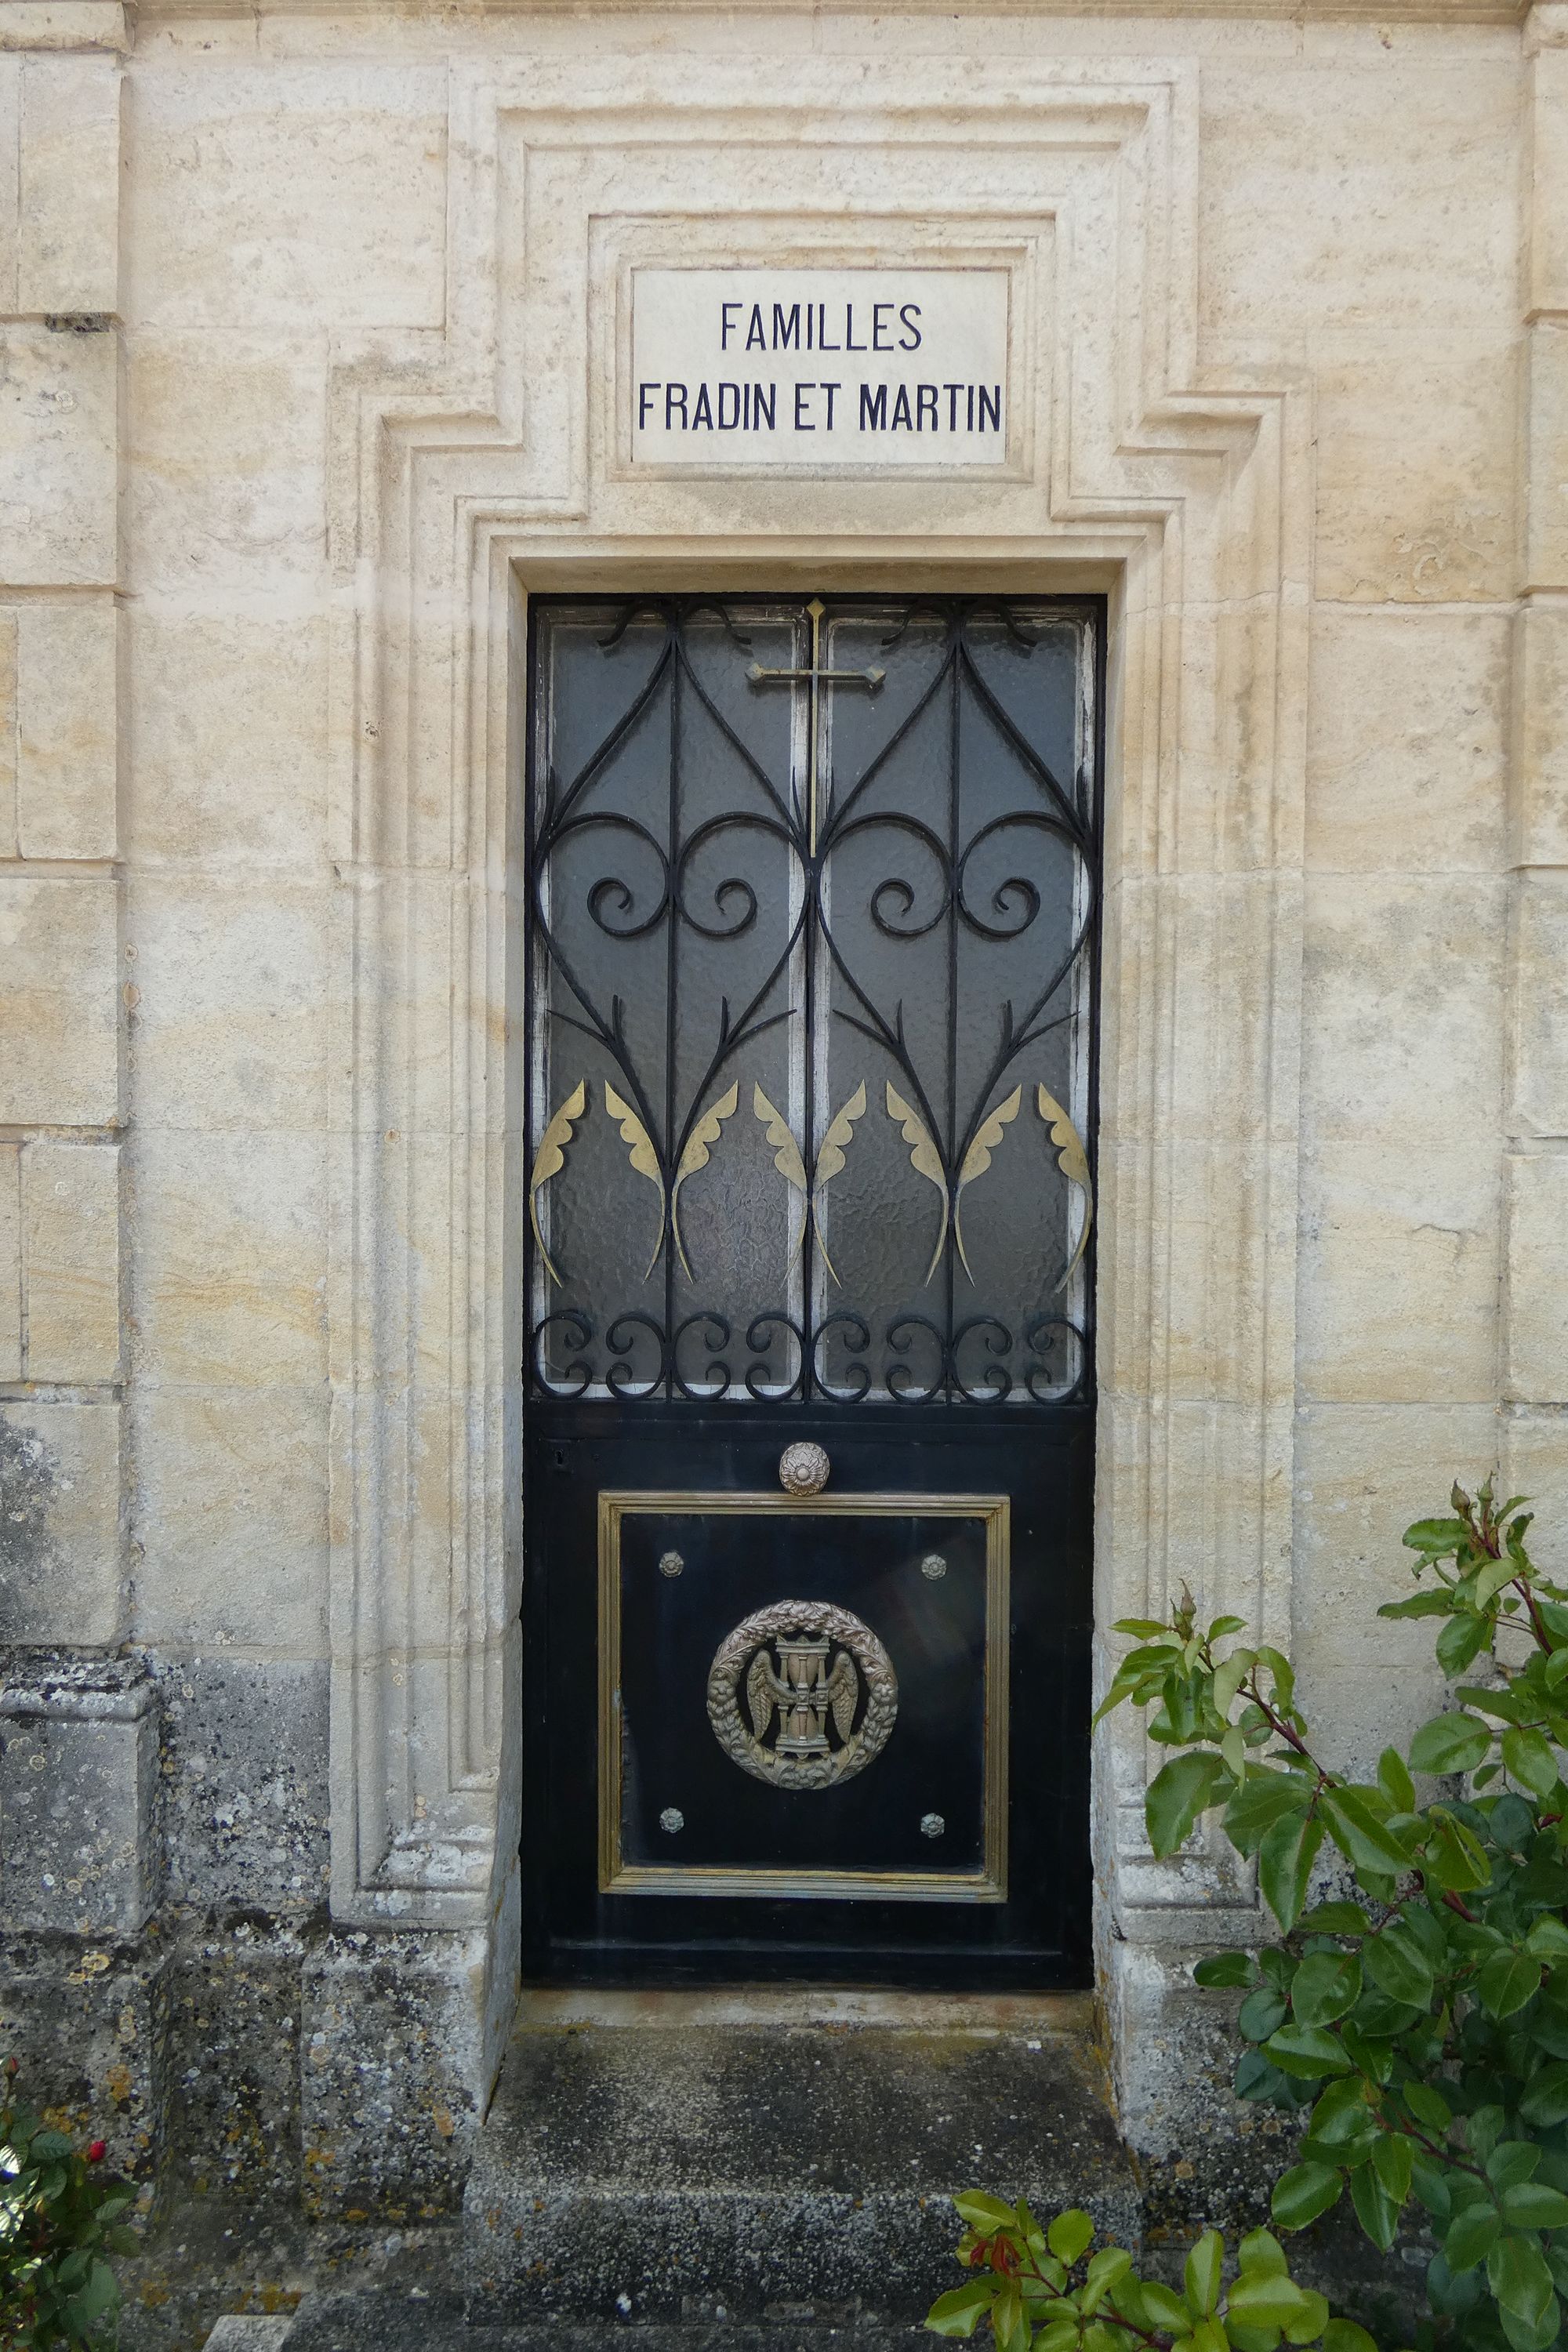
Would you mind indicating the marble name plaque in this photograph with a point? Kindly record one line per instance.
(819, 368)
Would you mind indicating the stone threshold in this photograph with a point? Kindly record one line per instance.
(1051, 2016)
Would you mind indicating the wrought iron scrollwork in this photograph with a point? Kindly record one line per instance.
(697, 884)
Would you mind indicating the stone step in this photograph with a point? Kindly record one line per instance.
(392, 2323)
(785, 2166)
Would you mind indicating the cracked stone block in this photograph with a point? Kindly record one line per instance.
(79, 1753)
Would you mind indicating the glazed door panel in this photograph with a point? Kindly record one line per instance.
(812, 890)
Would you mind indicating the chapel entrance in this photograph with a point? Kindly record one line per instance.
(813, 895)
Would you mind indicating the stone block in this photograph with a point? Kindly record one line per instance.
(233, 1259)
(234, 1999)
(1407, 748)
(1546, 460)
(1535, 1463)
(1540, 730)
(225, 489)
(60, 1573)
(70, 1228)
(1415, 470)
(68, 255)
(1364, 1472)
(60, 457)
(232, 1027)
(10, 1261)
(244, 1778)
(90, 2026)
(205, 789)
(59, 1001)
(64, 24)
(393, 2073)
(79, 1761)
(1398, 1254)
(8, 843)
(67, 728)
(1403, 996)
(323, 195)
(1536, 1318)
(230, 1553)
(1541, 1005)
(1547, 188)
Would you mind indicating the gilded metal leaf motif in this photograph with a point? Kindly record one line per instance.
(1073, 1162)
(836, 1143)
(977, 1160)
(924, 1158)
(644, 1158)
(551, 1158)
(697, 1154)
(786, 1157)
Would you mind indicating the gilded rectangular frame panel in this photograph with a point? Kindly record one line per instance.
(988, 1885)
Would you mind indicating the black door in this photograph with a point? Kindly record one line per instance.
(812, 890)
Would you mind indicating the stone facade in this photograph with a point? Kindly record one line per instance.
(310, 372)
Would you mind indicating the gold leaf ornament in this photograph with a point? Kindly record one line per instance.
(1073, 1162)
(786, 1156)
(977, 1160)
(836, 1143)
(697, 1154)
(551, 1158)
(644, 1158)
(924, 1158)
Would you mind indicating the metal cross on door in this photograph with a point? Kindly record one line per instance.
(812, 884)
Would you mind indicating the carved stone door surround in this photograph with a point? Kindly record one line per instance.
(473, 465)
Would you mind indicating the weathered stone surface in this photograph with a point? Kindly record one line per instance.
(77, 1772)
(59, 443)
(59, 1001)
(779, 2172)
(89, 2024)
(67, 728)
(61, 1573)
(392, 2072)
(235, 1994)
(70, 1240)
(67, 255)
(10, 1261)
(244, 1769)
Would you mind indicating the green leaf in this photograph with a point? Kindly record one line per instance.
(1202, 2275)
(959, 2311)
(1222, 1968)
(1436, 1537)
(1394, 2162)
(1507, 1982)
(1396, 1967)
(1450, 1743)
(1533, 2205)
(1394, 1779)
(1545, 2101)
(1530, 1759)
(1179, 1791)
(1344, 2335)
(1471, 2235)
(1311, 2321)
(1335, 1920)
(1548, 1939)
(1285, 1859)
(1342, 2114)
(49, 2146)
(1360, 1837)
(1541, 2337)
(1164, 2309)
(1265, 2302)
(1326, 1985)
(1375, 2209)
(1459, 1643)
(1264, 1797)
(1263, 2012)
(983, 2212)
(1112, 2263)
(1304, 2192)
(1420, 1604)
(1428, 2106)
(1518, 2276)
(1070, 2235)
(1260, 2250)
(1307, 2049)
(1058, 2337)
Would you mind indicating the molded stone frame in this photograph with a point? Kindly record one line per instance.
(476, 463)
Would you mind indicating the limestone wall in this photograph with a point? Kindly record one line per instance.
(306, 363)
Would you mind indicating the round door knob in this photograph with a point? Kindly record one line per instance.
(803, 1468)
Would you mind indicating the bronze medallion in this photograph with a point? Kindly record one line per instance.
(805, 1663)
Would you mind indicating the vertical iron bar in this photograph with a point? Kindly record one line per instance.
(808, 1119)
(671, 964)
(953, 843)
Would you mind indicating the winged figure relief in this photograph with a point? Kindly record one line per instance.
(806, 1688)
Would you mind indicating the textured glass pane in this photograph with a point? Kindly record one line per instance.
(813, 889)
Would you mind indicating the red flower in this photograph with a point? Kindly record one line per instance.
(98, 2151)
